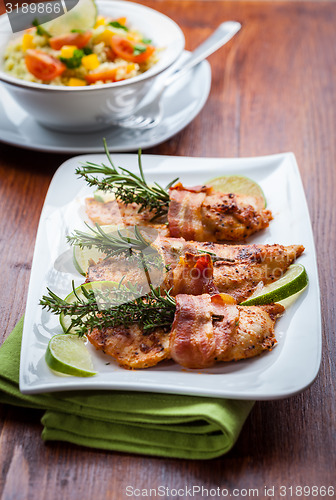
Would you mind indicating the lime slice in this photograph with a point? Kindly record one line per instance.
(239, 184)
(68, 354)
(292, 282)
(82, 17)
(65, 321)
(83, 256)
(103, 196)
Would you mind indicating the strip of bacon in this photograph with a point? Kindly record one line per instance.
(193, 272)
(206, 330)
(201, 214)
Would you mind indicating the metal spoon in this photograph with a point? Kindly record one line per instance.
(150, 115)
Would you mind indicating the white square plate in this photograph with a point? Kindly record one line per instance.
(286, 370)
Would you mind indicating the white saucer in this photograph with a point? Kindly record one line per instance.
(181, 103)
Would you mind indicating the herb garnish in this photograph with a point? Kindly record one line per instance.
(76, 60)
(127, 186)
(139, 49)
(111, 244)
(116, 24)
(123, 306)
(214, 257)
(40, 30)
(130, 243)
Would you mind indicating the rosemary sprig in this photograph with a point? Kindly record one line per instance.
(127, 186)
(128, 245)
(111, 244)
(131, 244)
(113, 307)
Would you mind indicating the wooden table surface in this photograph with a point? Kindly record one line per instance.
(273, 90)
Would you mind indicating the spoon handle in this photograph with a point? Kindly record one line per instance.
(219, 37)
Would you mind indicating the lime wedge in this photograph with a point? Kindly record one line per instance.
(68, 354)
(65, 321)
(103, 196)
(82, 17)
(239, 184)
(293, 281)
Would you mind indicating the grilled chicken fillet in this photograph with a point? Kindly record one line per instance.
(197, 213)
(201, 214)
(236, 269)
(130, 346)
(205, 330)
(119, 214)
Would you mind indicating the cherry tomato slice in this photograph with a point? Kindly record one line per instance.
(110, 55)
(42, 65)
(102, 76)
(78, 39)
(125, 49)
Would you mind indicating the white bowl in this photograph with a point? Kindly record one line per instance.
(76, 109)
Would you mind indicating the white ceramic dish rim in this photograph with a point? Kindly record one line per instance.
(277, 374)
(152, 72)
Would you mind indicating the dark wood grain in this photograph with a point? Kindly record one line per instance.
(273, 90)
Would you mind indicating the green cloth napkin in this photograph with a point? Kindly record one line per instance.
(134, 422)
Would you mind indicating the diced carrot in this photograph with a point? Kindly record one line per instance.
(105, 75)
